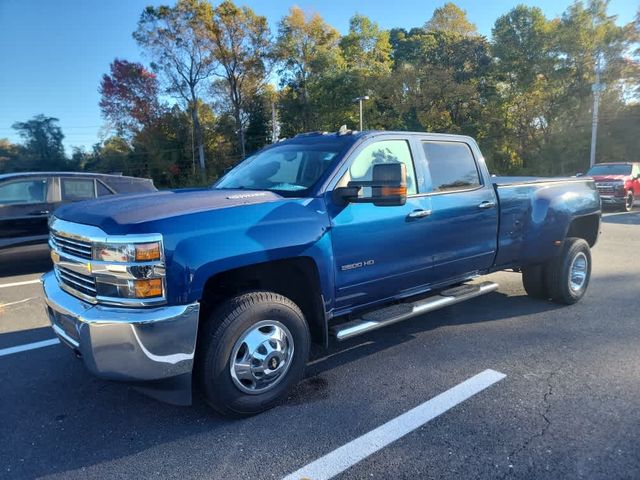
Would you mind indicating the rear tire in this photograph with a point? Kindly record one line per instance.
(568, 275)
(534, 280)
(253, 350)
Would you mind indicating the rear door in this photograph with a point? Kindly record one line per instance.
(77, 189)
(464, 218)
(25, 205)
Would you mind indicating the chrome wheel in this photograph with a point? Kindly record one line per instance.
(261, 357)
(578, 272)
(628, 202)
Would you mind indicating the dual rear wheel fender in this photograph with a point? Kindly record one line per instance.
(565, 278)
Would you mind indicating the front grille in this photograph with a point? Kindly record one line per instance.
(608, 188)
(73, 247)
(79, 282)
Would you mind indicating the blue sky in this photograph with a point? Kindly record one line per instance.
(54, 52)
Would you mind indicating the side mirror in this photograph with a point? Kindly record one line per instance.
(579, 174)
(388, 187)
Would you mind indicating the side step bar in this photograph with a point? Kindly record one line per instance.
(397, 313)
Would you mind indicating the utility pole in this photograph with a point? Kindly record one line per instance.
(275, 128)
(597, 89)
(360, 100)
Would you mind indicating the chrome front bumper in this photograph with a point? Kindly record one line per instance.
(126, 344)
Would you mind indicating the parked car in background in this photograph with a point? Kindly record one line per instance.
(27, 199)
(618, 183)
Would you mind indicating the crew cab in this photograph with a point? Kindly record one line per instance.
(618, 183)
(27, 200)
(323, 236)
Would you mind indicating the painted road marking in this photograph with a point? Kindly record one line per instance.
(2, 305)
(357, 450)
(28, 346)
(18, 284)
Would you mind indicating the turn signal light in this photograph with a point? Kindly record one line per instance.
(146, 252)
(389, 191)
(148, 288)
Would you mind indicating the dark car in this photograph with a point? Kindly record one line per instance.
(27, 200)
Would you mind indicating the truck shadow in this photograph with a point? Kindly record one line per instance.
(56, 418)
(495, 306)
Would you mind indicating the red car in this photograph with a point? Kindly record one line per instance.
(618, 183)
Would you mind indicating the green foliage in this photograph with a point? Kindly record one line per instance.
(525, 95)
(452, 19)
(42, 147)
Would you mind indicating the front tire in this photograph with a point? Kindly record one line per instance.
(253, 349)
(628, 202)
(568, 275)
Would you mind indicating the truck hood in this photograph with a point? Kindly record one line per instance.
(610, 178)
(148, 207)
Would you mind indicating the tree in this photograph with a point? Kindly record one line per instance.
(241, 45)
(176, 39)
(8, 155)
(308, 50)
(42, 148)
(129, 97)
(366, 47)
(450, 18)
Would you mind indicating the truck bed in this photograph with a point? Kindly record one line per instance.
(535, 212)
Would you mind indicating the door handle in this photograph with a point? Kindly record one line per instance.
(419, 214)
(487, 204)
(40, 212)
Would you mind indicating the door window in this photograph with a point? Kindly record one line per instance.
(452, 166)
(102, 189)
(386, 151)
(75, 189)
(24, 192)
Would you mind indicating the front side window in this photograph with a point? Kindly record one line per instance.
(452, 166)
(385, 151)
(288, 169)
(75, 189)
(24, 192)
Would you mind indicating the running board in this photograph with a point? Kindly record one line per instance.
(396, 313)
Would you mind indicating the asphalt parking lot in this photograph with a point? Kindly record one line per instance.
(567, 407)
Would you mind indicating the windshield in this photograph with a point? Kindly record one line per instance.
(613, 169)
(288, 169)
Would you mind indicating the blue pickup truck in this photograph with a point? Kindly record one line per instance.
(325, 235)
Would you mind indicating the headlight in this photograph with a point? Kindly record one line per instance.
(133, 271)
(127, 252)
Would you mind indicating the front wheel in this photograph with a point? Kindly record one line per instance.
(568, 275)
(628, 202)
(253, 350)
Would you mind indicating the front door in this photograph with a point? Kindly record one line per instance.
(380, 251)
(25, 205)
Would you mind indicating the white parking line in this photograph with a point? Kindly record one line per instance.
(357, 450)
(2, 305)
(18, 284)
(28, 346)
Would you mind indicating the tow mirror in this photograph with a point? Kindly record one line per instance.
(388, 187)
